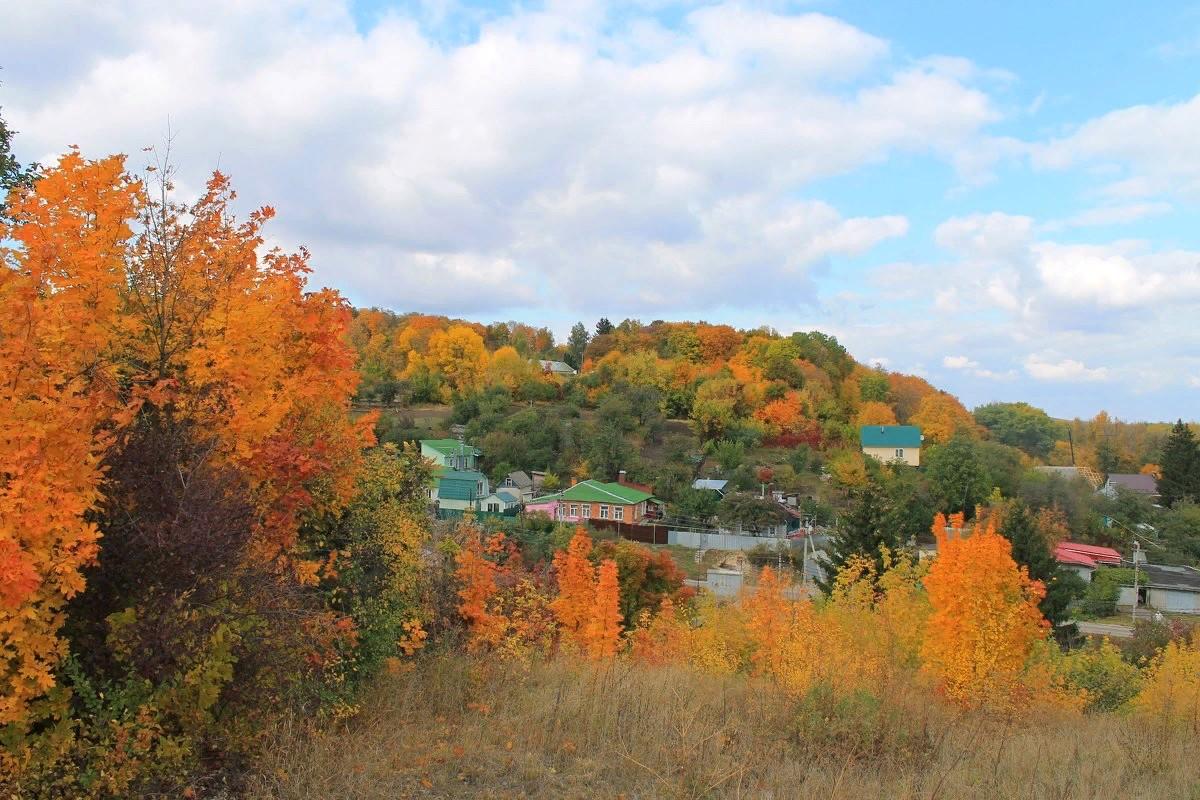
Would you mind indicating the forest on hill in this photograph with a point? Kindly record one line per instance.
(220, 576)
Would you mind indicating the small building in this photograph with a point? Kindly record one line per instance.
(1165, 588)
(1139, 484)
(892, 443)
(710, 485)
(1083, 559)
(522, 482)
(456, 491)
(560, 368)
(501, 502)
(592, 499)
(451, 454)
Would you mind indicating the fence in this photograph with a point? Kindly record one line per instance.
(647, 534)
(698, 540)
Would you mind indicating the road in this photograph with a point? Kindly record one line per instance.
(1105, 629)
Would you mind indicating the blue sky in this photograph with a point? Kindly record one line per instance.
(999, 196)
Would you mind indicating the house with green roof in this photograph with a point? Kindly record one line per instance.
(597, 500)
(451, 453)
(892, 443)
(458, 491)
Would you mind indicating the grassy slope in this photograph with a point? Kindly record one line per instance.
(458, 728)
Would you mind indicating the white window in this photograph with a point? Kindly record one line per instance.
(493, 507)
(899, 452)
(587, 510)
(574, 510)
(618, 512)
(603, 512)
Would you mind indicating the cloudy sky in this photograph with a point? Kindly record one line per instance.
(998, 196)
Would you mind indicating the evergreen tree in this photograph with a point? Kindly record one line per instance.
(1180, 465)
(576, 343)
(1030, 550)
(604, 327)
(865, 529)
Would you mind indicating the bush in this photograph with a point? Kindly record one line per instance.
(1100, 671)
(1100, 599)
(858, 726)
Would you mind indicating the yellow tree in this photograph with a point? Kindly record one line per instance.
(874, 412)
(940, 416)
(604, 626)
(985, 621)
(459, 356)
(509, 369)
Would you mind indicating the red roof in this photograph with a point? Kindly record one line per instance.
(1088, 555)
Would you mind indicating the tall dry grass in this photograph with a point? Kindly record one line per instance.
(459, 727)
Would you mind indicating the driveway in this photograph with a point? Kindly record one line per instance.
(1105, 629)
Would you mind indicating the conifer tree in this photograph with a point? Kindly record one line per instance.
(1180, 466)
(1030, 550)
(864, 530)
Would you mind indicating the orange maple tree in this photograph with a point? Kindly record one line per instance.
(985, 621)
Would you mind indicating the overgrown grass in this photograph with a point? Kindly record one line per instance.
(460, 727)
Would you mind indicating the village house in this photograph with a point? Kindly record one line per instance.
(528, 485)
(450, 453)
(892, 443)
(622, 501)
(1164, 587)
(560, 368)
(1144, 485)
(1084, 559)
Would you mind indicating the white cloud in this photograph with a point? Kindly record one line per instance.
(1108, 215)
(1156, 143)
(555, 154)
(1109, 276)
(959, 362)
(1066, 369)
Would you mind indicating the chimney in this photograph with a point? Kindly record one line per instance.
(574, 481)
(621, 477)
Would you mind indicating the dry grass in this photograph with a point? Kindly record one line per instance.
(455, 727)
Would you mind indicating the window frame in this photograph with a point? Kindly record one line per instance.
(619, 513)
(586, 508)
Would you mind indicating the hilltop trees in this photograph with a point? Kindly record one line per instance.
(1019, 425)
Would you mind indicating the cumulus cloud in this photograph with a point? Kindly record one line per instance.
(545, 159)
(1066, 369)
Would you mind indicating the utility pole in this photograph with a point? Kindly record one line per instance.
(1137, 552)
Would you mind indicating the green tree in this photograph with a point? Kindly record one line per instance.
(865, 529)
(729, 455)
(604, 327)
(873, 387)
(1180, 464)
(749, 512)
(577, 343)
(1019, 425)
(958, 477)
(1029, 548)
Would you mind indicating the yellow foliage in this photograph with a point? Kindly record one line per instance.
(1171, 692)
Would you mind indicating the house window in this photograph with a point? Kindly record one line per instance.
(493, 507)
(587, 510)
(618, 512)
(574, 510)
(603, 512)
(899, 452)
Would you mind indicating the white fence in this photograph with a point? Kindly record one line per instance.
(725, 541)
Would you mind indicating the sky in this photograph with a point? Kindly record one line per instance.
(1000, 197)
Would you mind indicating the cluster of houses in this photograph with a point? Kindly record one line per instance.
(459, 486)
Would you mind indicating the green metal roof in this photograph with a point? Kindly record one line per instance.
(459, 485)
(449, 447)
(890, 436)
(598, 492)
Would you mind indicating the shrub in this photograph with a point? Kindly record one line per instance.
(1109, 681)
